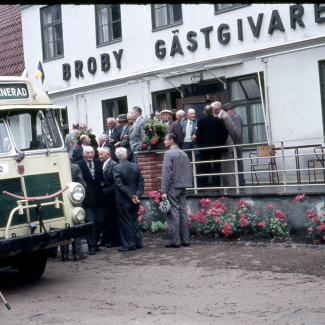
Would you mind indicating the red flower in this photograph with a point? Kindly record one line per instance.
(154, 141)
(144, 145)
(270, 206)
(257, 213)
(69, 144)
(261, 225)
(77, 146)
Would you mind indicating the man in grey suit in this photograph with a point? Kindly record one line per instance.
(237, 120)
(68, 144)
(137, 131)
(227, 166)
(176, 177)
(129, 186)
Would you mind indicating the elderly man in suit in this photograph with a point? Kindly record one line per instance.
(211, 132)
(122, 120)
(110, 236)
(176, 177)
(93, 202)
(172, 127)
(113, 132)
(137, 131)
(229, 165)
(129, 185)
(237, 120)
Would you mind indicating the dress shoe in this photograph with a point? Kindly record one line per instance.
(80, 257)
(91, 253)
(126, 249)
(185, 245)
(65, 258)
(111, 244)
(172, 246)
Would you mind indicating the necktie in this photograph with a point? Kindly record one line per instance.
(190, 127)
(90, 165)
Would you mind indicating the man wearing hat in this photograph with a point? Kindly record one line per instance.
(237, 120)
(123, 141)
(173, 127)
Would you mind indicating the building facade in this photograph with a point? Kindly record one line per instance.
(267, 59)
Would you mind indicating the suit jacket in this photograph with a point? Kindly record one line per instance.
(237, 120)
(125, 142)
(108, 180)
(115, 134)
(128, 181)
(232, 133)
(176, 171)
(137, 133)
(76, 175)
(94, 197)
(211, 132)
(184, 126)
(176, 128)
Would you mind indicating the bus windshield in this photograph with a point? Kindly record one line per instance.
(34, 130)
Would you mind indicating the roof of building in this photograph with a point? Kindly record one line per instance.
(12, 61)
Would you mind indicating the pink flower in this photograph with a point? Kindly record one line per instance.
(186, 209)
(279, 215)
(144, 222)
(243, 215)
(227, 231)
(190, 223)
(257, 213)
(192, 217)
(166, 228)
(142, 210)
(270, 206)
(205, 202)
(310, 229)
(261, 225)
(139, 218)
(144, 145)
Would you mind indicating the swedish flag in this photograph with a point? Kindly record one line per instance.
(40, 73)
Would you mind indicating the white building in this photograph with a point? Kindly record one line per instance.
(101, 60)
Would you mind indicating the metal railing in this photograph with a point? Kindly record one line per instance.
(294, 166)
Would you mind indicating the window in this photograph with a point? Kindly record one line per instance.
(322, 88)
(52, 34)
(165, 15)
(165, 100)
(222, 7)
(108, 24)
(113, 108)
(250, 111)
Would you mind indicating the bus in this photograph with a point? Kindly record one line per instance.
(40, 205)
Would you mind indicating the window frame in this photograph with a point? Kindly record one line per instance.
(169, 24)
(117, 111)
(53, 24)
(109, 24)
(247, 103)
(234, 7)
(168, 93)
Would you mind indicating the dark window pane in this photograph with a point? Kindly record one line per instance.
(59, 50)
(116, 12)
(177, 10)
(58, 32)
(56, 12)
(117, 32)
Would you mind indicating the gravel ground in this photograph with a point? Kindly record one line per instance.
(210, 282)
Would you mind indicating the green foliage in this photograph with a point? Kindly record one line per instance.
(157, 226)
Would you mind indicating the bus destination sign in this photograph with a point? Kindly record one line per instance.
(13, 91)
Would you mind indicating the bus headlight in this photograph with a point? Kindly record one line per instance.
(77, 192)
(78, 215)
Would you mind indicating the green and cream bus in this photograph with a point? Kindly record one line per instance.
(39, 203)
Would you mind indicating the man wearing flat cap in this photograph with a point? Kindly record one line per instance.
(123, 141)
(237, 120)
(172, 127)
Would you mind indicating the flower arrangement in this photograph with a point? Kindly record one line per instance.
(76, 139)
(155, 131)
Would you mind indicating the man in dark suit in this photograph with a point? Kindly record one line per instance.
(104, 142)
(122, 121)
(211, 132)
(173, 127)
(93, 202)
(111, 234)
(113, 132)
(129, 185)
(176, 176)
(78, 151)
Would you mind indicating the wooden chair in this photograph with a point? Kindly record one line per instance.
(320, 158)
(259, 162)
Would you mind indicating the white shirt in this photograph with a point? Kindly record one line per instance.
(188, 133)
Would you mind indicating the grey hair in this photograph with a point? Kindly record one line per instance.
(88, 148)
(121, 153)
(103, 136)
(137, 109)
(105, 149)
(180, 113)
(216, 105)
(83, 137)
